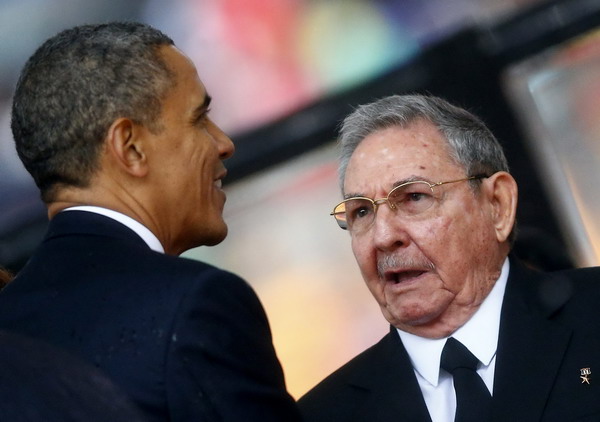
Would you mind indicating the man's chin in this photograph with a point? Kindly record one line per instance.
(217, 236)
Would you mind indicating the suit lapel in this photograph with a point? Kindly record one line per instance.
(530, 346)
(392, 390)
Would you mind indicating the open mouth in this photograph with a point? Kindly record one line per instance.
(402, 276)
(219, 179)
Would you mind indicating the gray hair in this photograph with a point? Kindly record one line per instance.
(73, 88)
(471, 144)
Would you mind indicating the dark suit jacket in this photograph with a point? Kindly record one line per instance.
(187, 341)
(39, 382)
(549, 332)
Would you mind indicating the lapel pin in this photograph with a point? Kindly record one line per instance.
(585, 375)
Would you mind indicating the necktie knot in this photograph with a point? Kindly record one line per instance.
(473, 399)
(455, 355)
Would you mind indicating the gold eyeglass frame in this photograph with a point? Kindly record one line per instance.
(379, 201)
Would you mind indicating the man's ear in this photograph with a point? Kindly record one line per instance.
(125, 144)
(501, 190)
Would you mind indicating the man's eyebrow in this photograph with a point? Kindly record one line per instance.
(207, 101)
(202, 108)
(409, 179)
(354, 195)
(397, 183)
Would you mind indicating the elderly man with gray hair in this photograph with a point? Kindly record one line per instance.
(430, 206)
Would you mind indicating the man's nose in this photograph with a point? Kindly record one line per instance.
(388, 229)
(224, 143)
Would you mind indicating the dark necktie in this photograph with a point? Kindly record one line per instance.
(473, 399)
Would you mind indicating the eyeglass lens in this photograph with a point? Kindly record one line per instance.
(408, 199)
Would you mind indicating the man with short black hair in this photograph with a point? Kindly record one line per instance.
(112, 121)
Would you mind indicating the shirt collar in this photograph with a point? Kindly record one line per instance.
(141, 230)
(479, 335)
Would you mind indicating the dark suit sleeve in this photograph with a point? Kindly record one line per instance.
(222, 365)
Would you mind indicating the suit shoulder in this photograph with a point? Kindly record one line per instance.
(584, 283)
(570, 296)
(582, 275)
(337, 394)
(184, 269)
(581, 282)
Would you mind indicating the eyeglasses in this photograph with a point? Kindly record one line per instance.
(408, 199)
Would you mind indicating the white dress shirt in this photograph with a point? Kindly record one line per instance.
(141, 230)
(479, 335)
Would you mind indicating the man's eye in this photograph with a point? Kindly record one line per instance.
(202, 118)
(416, 196)
(358, 209)
(362, 212)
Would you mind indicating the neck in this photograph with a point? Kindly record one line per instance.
(137, 213)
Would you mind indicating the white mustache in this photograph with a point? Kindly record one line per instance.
(395, 262)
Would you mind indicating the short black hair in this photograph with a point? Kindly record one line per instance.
(73, 88)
